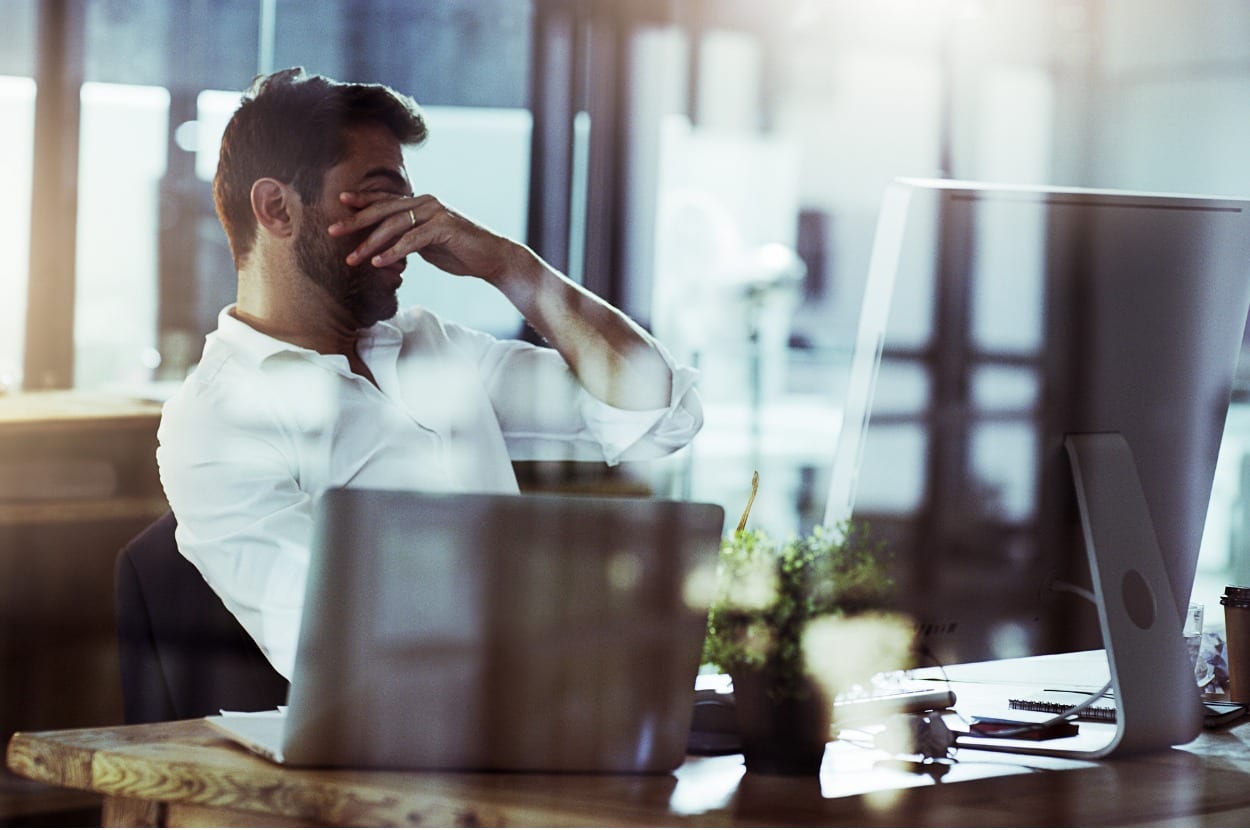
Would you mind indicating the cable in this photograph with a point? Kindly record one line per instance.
(1084, 593)
(934, 745)
(1062, 716)
(1076, 709)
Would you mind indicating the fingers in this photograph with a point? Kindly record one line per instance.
(389, 232)
(372, 207)
(389, 219)
(397, 226)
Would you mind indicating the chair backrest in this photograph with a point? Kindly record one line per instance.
(182, 653)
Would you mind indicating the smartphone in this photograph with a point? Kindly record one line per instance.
(1019, 730)
(1220, 712)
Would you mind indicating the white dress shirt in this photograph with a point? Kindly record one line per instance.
(262, 426)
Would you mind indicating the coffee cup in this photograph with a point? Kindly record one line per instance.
(1236, 602)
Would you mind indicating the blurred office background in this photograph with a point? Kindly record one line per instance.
(714, 167)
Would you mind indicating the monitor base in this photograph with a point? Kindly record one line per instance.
(1155, 693)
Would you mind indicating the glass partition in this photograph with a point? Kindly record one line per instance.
(152, 265)
(17, 113)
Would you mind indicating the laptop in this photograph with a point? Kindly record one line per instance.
(496, 632)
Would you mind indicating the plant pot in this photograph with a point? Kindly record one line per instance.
(781, 735)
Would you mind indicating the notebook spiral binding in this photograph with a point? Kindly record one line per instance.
(1106, 714)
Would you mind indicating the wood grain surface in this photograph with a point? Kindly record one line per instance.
(183, 774)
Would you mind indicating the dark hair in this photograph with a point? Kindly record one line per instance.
(291, 126)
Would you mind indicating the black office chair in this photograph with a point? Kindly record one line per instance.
(182, 654)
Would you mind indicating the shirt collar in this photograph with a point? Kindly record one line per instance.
(258, 347)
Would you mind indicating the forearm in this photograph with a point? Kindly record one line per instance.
(612, 357)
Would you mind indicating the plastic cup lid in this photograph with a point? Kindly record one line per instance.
(1236, 597)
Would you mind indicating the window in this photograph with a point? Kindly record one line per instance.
(17, 113)
(151, 84)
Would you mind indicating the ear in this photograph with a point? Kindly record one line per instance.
(275, 205)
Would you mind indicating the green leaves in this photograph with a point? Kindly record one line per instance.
(769, 591)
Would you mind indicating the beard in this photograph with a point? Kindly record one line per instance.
(360, 289)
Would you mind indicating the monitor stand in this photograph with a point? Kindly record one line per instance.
(1155, 692)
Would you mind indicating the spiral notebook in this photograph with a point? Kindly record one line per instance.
(1102, 713)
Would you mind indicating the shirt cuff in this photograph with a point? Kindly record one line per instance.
(635, 434)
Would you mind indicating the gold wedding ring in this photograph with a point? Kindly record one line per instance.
(412, 217)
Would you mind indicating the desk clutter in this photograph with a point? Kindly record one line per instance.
(714, 725)
(921, 723)
(184, 773)
(1214, 712)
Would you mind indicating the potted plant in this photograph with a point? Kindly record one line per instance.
(790, 623)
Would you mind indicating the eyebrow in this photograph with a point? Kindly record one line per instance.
(388, 173)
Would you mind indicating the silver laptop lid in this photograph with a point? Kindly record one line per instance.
(536, 632)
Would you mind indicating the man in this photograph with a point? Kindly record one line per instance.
(314, 378)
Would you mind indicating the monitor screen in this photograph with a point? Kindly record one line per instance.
(996, 321)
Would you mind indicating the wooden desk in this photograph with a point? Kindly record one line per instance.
(69, 456)
(182, 774)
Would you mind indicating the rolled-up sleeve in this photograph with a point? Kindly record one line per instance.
(637, 435)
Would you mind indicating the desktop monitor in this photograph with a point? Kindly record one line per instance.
(1040, 372)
